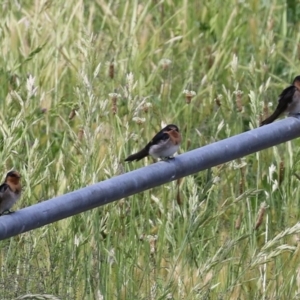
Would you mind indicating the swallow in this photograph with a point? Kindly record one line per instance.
(163, 145)
(289, 102)
(10, 191)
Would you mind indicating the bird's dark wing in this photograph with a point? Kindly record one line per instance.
(161, 136)
(4, 187)
(285, 98)
(287, 95)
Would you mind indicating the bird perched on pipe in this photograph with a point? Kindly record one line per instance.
(10, 191)
(163, 145)
(289, 102)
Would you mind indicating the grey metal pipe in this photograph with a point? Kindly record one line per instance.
(148, 177)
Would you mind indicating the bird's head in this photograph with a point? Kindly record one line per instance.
(13, 177)
(296, 82)
(171, 127)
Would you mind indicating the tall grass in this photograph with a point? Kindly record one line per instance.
(86, 83)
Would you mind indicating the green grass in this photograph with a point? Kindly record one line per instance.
(190, 239)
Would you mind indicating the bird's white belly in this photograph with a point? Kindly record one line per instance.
(164, 149)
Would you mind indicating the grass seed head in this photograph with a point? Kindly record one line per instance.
(111, 70)
(260, 215)
(189, 95)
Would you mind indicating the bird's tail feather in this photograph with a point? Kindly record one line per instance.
(138, 156)
(272, 118)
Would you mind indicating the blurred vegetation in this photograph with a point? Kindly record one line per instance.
(86, 83)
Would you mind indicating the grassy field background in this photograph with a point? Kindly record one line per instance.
(86, 83)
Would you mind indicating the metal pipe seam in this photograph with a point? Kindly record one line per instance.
(145, 178)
